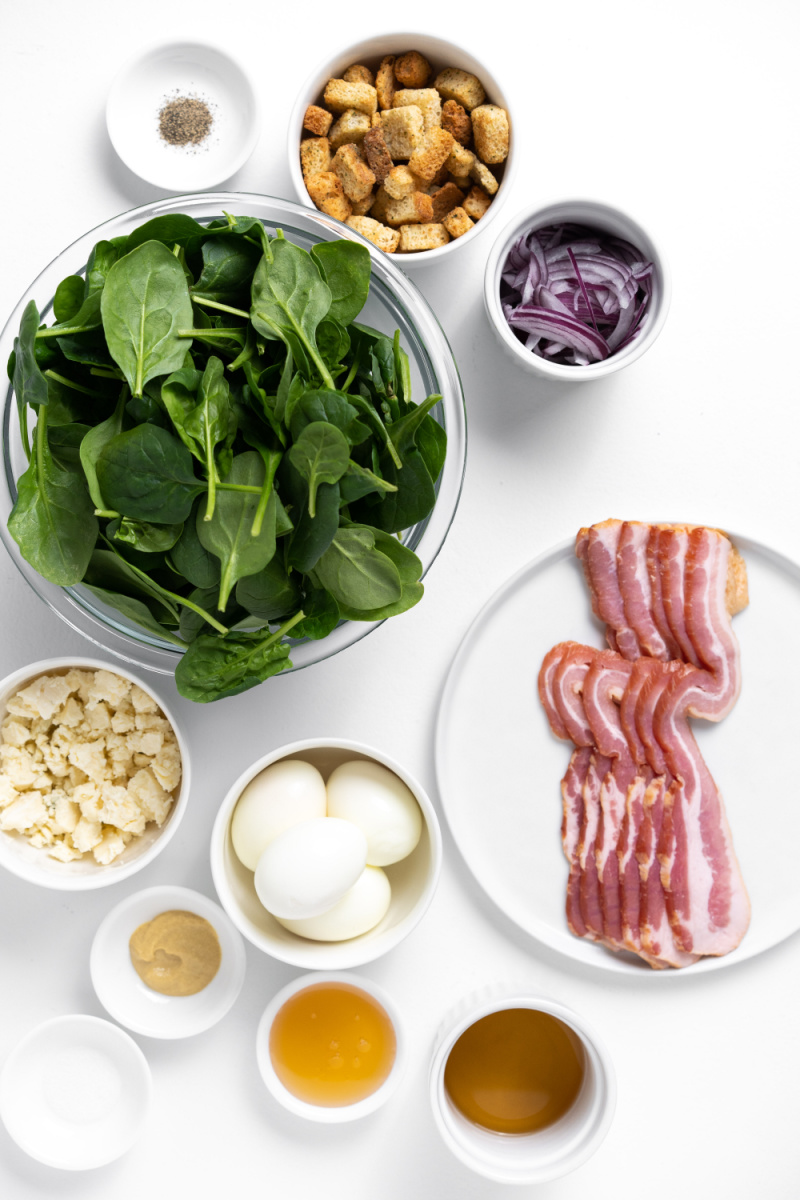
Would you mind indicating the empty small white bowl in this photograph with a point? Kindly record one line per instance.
(413, 880)
(440, 53)
(594, 215)
(525, 1157)
(128, 999)
(75, 1092)
(154, 77)
(84, 874)
(329, 1114)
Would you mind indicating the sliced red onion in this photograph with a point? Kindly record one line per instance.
(575, 295)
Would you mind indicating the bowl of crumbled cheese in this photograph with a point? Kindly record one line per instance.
(94, 774)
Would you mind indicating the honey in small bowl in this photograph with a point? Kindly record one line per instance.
(516, 1071)
(332, 1044)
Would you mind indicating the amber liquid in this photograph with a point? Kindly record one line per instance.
(332, 1044)
(515, 1071)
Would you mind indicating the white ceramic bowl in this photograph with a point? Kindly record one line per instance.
(534, 1157)
(129, 1000)
(84, 874)
(599, 216)
(75, 1092)
(440, 53)
(162, 73)
(315, 1112)
(413, 880)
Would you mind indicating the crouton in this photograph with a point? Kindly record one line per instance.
(484, 177)
(385, 239)
(356, 178)
(377, 153)
(361, 207)
(350, 128)
(325, 189)
(422, 237)
(402, 182)
(490, 126)
(460, 86)
(445, 199)
(476, 203)
(427, 100)
(456, 120)
(358, 73)
(402, 130)
(385, 82)
(414, 209)
(439, 179)
(341, 95)
(457, 223)
(460, 160)
(315, 155)
(317, 120)
(382, 201)
(432, 152)
(412, 70)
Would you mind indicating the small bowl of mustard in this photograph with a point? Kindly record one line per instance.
(167, 962)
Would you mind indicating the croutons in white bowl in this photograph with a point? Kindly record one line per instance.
(472, 213)
(93, 783)
(412, 880)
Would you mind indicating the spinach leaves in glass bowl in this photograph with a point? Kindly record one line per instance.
(221, 452)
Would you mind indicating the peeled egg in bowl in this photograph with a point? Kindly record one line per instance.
(379, 803)
(361, 908)
(307, 869)
(282, 795)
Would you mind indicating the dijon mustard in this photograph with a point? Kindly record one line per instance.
(177, 953)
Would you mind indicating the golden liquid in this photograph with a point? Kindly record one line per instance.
(332, 1044)
(515, 1071)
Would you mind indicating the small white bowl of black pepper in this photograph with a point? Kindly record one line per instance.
(183, 116)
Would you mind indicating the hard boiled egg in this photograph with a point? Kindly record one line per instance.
(280, 796)
(359, 910)
(375, 799)
(307, 869)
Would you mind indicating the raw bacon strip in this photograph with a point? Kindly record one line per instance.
(552, 661)
(673, 550)
(590, 896)
(567, 691)
(654, 923)
(656, 597)
(708, 624)
(572, 820)
(658, 677)
(706, 896)
(597, 551)
(634, 585)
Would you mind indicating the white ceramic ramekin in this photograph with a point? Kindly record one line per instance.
(34, 864)
(534, 1157)
(324, 1114)
(440, 53)
(413, 880)
(596, 215)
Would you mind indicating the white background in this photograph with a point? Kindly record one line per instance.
(685, 114)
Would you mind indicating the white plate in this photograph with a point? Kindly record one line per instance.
(75, 1092)
(499, 767)
(127, 997)
(154, 77)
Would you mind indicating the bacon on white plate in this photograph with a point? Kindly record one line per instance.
(637, 590)
(597, 550)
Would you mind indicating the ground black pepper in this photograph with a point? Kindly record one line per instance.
(185, 121)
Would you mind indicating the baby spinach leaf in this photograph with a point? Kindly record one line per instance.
(65, 442)
(403, 431)
(333, 342)
(311, 535)
(432, 445)
(359, 481)
(101, 260)
(68, 298)
(202, 413)
(147, 473)
(53, 521)
(346, 269)
(192, 623)
(213, 667)
(321, 454)
(321, 404)
(171, 229)
(321, 615)
(357, 574)
(109, 570)
(144, 303)
(290, 298)
(190, 558)
(270, 594)
(409, 568)
(228, 266)
(413, 500)
(137, 612)
(228, 534)
(94, 442)
(30, 385)
(147, 538)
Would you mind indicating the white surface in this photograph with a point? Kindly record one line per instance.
(128, 999)
(686, 115)
(75, 1093)
(517, 856)
(317, 1112)
(169, 72)
(551, 1152)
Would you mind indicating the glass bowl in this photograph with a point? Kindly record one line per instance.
(394, 303)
